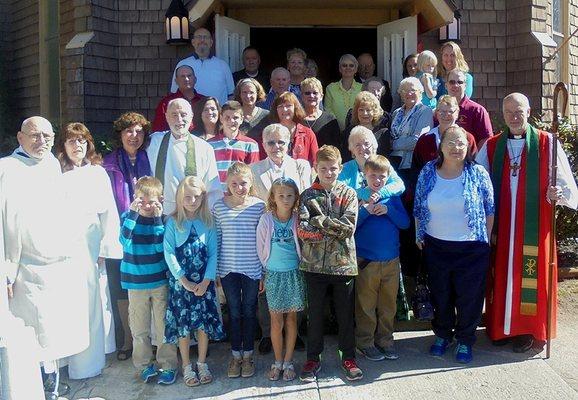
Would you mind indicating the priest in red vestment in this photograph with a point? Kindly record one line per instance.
(519, 163)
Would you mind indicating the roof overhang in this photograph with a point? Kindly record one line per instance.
(432, 14)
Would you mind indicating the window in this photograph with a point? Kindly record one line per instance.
(558, 33)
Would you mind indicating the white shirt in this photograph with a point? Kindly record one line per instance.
(214, 77)
(448, 219)
(175, 167)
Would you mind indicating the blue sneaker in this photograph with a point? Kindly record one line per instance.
(148, 373)
(167, 377)
(464, 353)
(439, 347)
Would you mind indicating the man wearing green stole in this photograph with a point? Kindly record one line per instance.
(519, 163)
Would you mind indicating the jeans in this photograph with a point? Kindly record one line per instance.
(241, 294)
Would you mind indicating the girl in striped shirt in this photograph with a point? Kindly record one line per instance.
(239, 268)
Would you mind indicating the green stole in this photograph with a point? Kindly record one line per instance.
(529, 289)
(191, 160)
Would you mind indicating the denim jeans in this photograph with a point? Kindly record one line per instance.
(241, 294)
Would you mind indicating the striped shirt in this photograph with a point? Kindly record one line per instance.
(237, 238)
(227, 151)
(143, 265)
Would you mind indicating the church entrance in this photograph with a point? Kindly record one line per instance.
(324, 45)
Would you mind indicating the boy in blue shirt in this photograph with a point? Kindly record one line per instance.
(377, 247)
(143, 272)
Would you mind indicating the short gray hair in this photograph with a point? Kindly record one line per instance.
(276, 128)
(362, 132)
(181, 102)
(351, 57)
(413, 81)
(279, 70)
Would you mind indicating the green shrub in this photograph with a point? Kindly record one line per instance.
(566, 218)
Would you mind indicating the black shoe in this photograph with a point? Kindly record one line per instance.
(265, 345)
(523, 343)
(299, 344)
(501, 342)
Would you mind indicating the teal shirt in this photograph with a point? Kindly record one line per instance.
(283, 255)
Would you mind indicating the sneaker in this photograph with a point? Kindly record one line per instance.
(234, 369)
(310, 371)
(148, 373)
(388, 352)
(247, 367)
(265, 345)
(352, 371)
(372, 353)
(439, 347)
(464, 353)
(167, 377)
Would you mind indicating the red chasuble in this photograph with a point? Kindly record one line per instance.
(524, 319)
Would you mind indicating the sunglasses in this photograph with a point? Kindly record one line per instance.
(276, 142)
(453, 82)
(348, 65)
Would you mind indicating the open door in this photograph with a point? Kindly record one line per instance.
(231, 37)
(395, 41)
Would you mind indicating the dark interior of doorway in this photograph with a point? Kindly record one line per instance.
(324, 45)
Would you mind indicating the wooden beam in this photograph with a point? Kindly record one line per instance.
(311, 17)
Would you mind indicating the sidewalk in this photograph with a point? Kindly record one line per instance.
(495, 373)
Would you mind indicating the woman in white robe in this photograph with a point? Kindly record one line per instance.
(89, 193)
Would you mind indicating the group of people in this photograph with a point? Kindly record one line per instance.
(280, 198)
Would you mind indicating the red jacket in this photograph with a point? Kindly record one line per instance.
(304, 144)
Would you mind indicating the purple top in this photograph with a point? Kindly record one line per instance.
(123, 175)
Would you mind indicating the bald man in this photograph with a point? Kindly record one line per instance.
(186, 81)
(214, 77)
(177, 153)
(37, 249)
(519, 163)
(365, 71)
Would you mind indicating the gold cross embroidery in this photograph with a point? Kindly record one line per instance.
(531, 267)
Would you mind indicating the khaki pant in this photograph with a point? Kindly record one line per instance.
(376, 289)
(140, 305)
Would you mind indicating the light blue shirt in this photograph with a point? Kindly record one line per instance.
(283, 255)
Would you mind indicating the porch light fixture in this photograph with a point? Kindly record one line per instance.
(452, 31)
(177, 23)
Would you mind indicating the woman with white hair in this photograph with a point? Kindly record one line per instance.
(363, 144)
(278, 164)
(408, 123)
(339, 96)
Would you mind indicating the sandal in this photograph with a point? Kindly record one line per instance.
(123, 355)
(190, 377)
(274, 372)
(205, 375)
(288, 371)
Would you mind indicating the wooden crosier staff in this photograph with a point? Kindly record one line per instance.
(560, 87)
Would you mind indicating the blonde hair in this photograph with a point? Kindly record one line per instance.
(249, 81)
(241, 169)
(425, 57)
(461, 63)
(203, 213)
(447, 100)
(377, 163)
(328, 153)
(277, 183)
(312, 83)
(368, 98)
(148, 186)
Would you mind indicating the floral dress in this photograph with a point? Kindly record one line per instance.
(186, 313)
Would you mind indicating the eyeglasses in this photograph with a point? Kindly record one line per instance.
(72, 141)
(364, 145)
(276, 142)
(202, 37)
(454, 82)
(37, 136)
(446, 112)
(311, 93)
(348, 65)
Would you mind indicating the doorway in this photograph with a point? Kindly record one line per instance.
(324, 45)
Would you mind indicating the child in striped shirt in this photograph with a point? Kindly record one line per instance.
(239, 267)
(229, 144)
(143, 271)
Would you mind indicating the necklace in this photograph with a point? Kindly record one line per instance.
(515, 159)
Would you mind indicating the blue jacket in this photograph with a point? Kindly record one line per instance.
(377, 236)
(353, 177)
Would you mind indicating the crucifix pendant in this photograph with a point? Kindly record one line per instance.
(514, 168)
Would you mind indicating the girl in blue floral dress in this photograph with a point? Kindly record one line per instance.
(190, 246)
